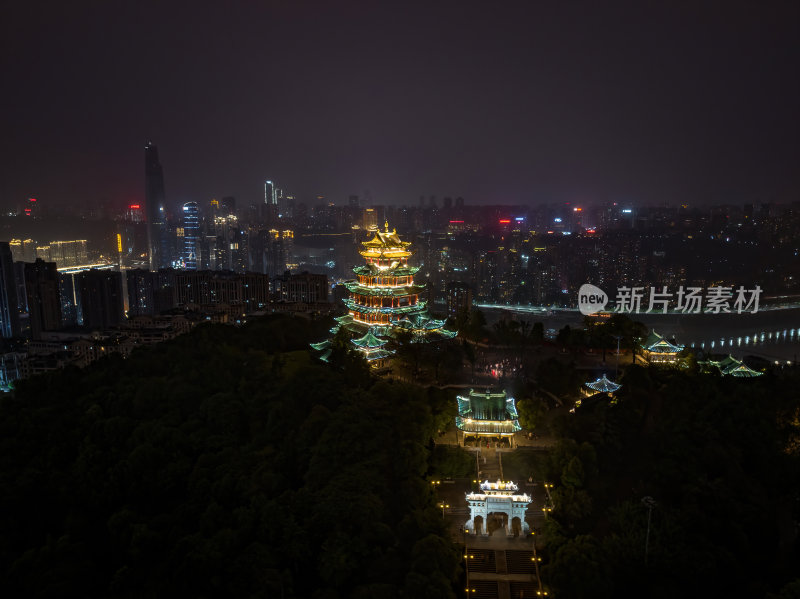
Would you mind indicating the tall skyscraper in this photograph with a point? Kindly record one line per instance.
(157, 242)
(270, 193)
(271, 196)
(9, 307)
(44, 297)
(191, 234)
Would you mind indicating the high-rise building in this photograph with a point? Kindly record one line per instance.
(9, 306)
(44, 297)
(279, 251)
(459, 297)
(31, 207)
(228, 206)
(155, 208)
(65, 253)
(150, 293)
(22, 298)
(369, 219)
(270, 193)
(301, 287)
(191, 235)
(212, 288)
(101, 298)
(286, 205)
(255, 291)
(23, 250)
(70, 298)
(134, 213)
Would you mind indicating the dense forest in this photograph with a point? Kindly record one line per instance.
(223, 463)
(229, 463)
(709, 465)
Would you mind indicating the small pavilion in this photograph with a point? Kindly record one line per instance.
(730, 366)
(657, 350)
(601, 385)
(372, 349)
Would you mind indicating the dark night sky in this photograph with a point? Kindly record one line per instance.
(498, 102)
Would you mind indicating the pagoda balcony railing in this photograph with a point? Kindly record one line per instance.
(355, 306)
(398, 271)
(398, 291)
(470, 425)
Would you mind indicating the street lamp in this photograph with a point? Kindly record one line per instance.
(443, 506)
(649, 503)
(616, 369)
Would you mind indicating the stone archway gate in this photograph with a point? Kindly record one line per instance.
(499, 497)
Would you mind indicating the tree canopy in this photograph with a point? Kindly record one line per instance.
(223, 463)
(719, 457)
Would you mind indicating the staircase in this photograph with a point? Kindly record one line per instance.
(491, 469)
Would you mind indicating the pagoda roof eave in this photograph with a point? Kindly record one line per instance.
(386, 239)
(732, 366)
(376, 354)
(655, 343)
(369, 340)
(743, 371)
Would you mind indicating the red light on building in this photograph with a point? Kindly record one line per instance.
(453, 222)
(135, 206)
(31, 199)
(590, 231)
(504, 221)
(28, 211)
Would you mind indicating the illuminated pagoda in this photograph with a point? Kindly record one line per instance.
(730, 366)
(487, 415)
(601, 385)
(657, 350)
(384, 300)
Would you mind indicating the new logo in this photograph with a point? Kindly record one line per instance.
(591, 299)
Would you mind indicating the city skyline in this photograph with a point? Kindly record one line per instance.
(448, 299)
(523, 105)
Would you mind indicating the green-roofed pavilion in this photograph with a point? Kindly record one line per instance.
(487, 415)
(730, 366)
(658, 350)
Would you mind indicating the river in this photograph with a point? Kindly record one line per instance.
(771, 334)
